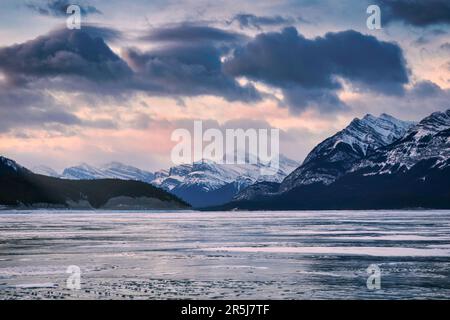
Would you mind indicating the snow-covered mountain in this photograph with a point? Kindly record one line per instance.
(21, 188)
(362, 136)
(45, 171)
(83, 171)
(429, 140)
(336, 155)
(195, 183)
(411, 172)
(209, 175)
(200, 183)
(126, 172)
(8, 165)
(113, 170)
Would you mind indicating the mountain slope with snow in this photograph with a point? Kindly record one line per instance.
(113, 170)
(200, 183)
(411, 172)
(195, 183)
(45, 171)
(21, 188)
(118, 170)
(10, 166)
(336, 155)
(83, 171)
(428, 140)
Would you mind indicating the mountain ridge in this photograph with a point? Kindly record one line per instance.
(201, 183)
(21, 188)
(412, 171)
(336, 155)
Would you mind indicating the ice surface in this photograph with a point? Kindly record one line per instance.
(233, 255)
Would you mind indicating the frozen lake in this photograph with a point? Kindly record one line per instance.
(225, 255)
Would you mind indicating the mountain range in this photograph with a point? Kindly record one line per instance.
(336, 155)
(203, 183)
(21, 188)
(207, 183)
(374, 163)
(84, 171)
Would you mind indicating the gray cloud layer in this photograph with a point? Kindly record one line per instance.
(246, 20)
(63, 53)
(192, 33)
(188, 61)
(182, 68)
(418, 13)
(21, 106)
(308, 70)
(58, 8)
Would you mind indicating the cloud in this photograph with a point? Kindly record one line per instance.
(297, 98)
(425, 88)
(417, 13)
(105, 33)
(63, 53)
(428, 35)
(308, 70)
(445, 46)
(58, 8)
(419, 100)
(191, 33)
(188, 62)
(186, 70)
(183, 68)
(246, 20)
(31, 108)
(26, 107)
(63, 60)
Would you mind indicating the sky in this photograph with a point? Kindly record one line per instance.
(137, 70)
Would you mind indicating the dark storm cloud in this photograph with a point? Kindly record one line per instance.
(298, 98)
(186, 70)
(107, 34)
(79, 60)
(63, 60)
(192, 33)
(418, 13)
(63, 53)
(246, 20)
(58, 8)
(188, 63)
(308, 70)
